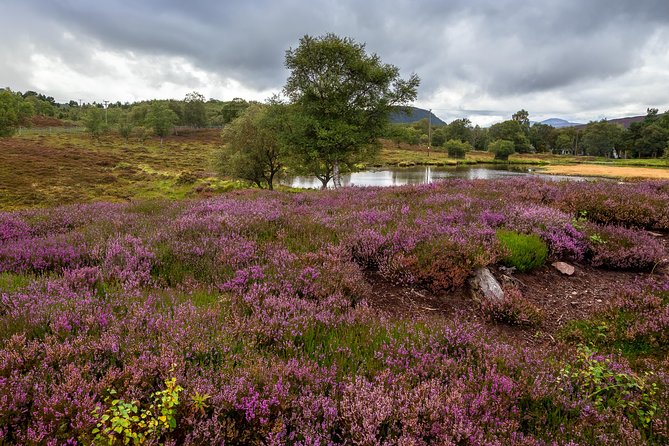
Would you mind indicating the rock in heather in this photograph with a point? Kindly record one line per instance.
(564, 268)
(483, 283)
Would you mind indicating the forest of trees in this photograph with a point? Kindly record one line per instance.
(194, 110)
(648, 138)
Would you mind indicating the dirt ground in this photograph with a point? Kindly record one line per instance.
(561, 298)
(624, 172)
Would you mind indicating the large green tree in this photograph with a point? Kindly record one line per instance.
(543, 137)
(522, 117)
(14, 111)
(654, 139)
(254, 150)
(602, 138)
(459, 129)
(341, 99)
(511, 130)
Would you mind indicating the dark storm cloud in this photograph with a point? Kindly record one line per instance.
(499, 48)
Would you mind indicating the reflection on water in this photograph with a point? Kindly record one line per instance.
(399, 176)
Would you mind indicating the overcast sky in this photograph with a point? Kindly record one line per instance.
(575, 59)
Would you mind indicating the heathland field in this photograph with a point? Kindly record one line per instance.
(48, 167)
(71, 167)
(328, 317)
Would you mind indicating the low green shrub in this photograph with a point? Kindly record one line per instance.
(129, 422)
(607, 387)
(522, 251)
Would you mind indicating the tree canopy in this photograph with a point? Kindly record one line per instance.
(341, 98)
(161, 118)
(254, 150)
(194, 111)
(602, 138)
(14, 111)
(511, 130)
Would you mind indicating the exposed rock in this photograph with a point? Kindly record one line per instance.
(484, 284)
(654, 234)
(564, 268)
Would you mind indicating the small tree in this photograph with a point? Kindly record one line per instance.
(161, 119)
(457, 148)
(94, 121)
(125, 127)
(502, 148)
(195, 113)
(253, 150)
(14, 111)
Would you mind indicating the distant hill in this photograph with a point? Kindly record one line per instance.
(625, 122)
(413, 114)
(559, 123)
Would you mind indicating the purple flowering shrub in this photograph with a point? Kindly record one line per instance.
(636, 320)
(44, 254)
(642, 204)
(513, 309)
(552, 225)
(255, 303)
(617, 247)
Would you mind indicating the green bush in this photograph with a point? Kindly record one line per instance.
(502, 148)
(456, 148)
(524, 252)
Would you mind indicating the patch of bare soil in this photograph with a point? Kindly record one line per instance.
(561, 298)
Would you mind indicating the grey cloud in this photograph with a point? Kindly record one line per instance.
(498, 48)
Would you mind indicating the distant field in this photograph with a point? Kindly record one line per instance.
(598, 170)
(54, 166)
(407, 155)
(60, 168)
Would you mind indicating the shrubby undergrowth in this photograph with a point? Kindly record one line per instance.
(253, 305)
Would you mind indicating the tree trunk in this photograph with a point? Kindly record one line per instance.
(336, 175)
(270, 182)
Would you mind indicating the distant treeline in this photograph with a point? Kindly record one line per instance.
(17, 108)
(648, 138)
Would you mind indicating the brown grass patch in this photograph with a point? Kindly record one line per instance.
(596, 170)
(60, 168)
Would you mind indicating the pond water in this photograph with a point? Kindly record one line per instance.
(399, 176)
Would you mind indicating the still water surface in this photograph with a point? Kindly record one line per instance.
(399, 176)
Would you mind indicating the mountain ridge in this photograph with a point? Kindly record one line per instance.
(407, 115)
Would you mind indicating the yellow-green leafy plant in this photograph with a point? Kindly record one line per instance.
(200, 402)
(128, 423)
